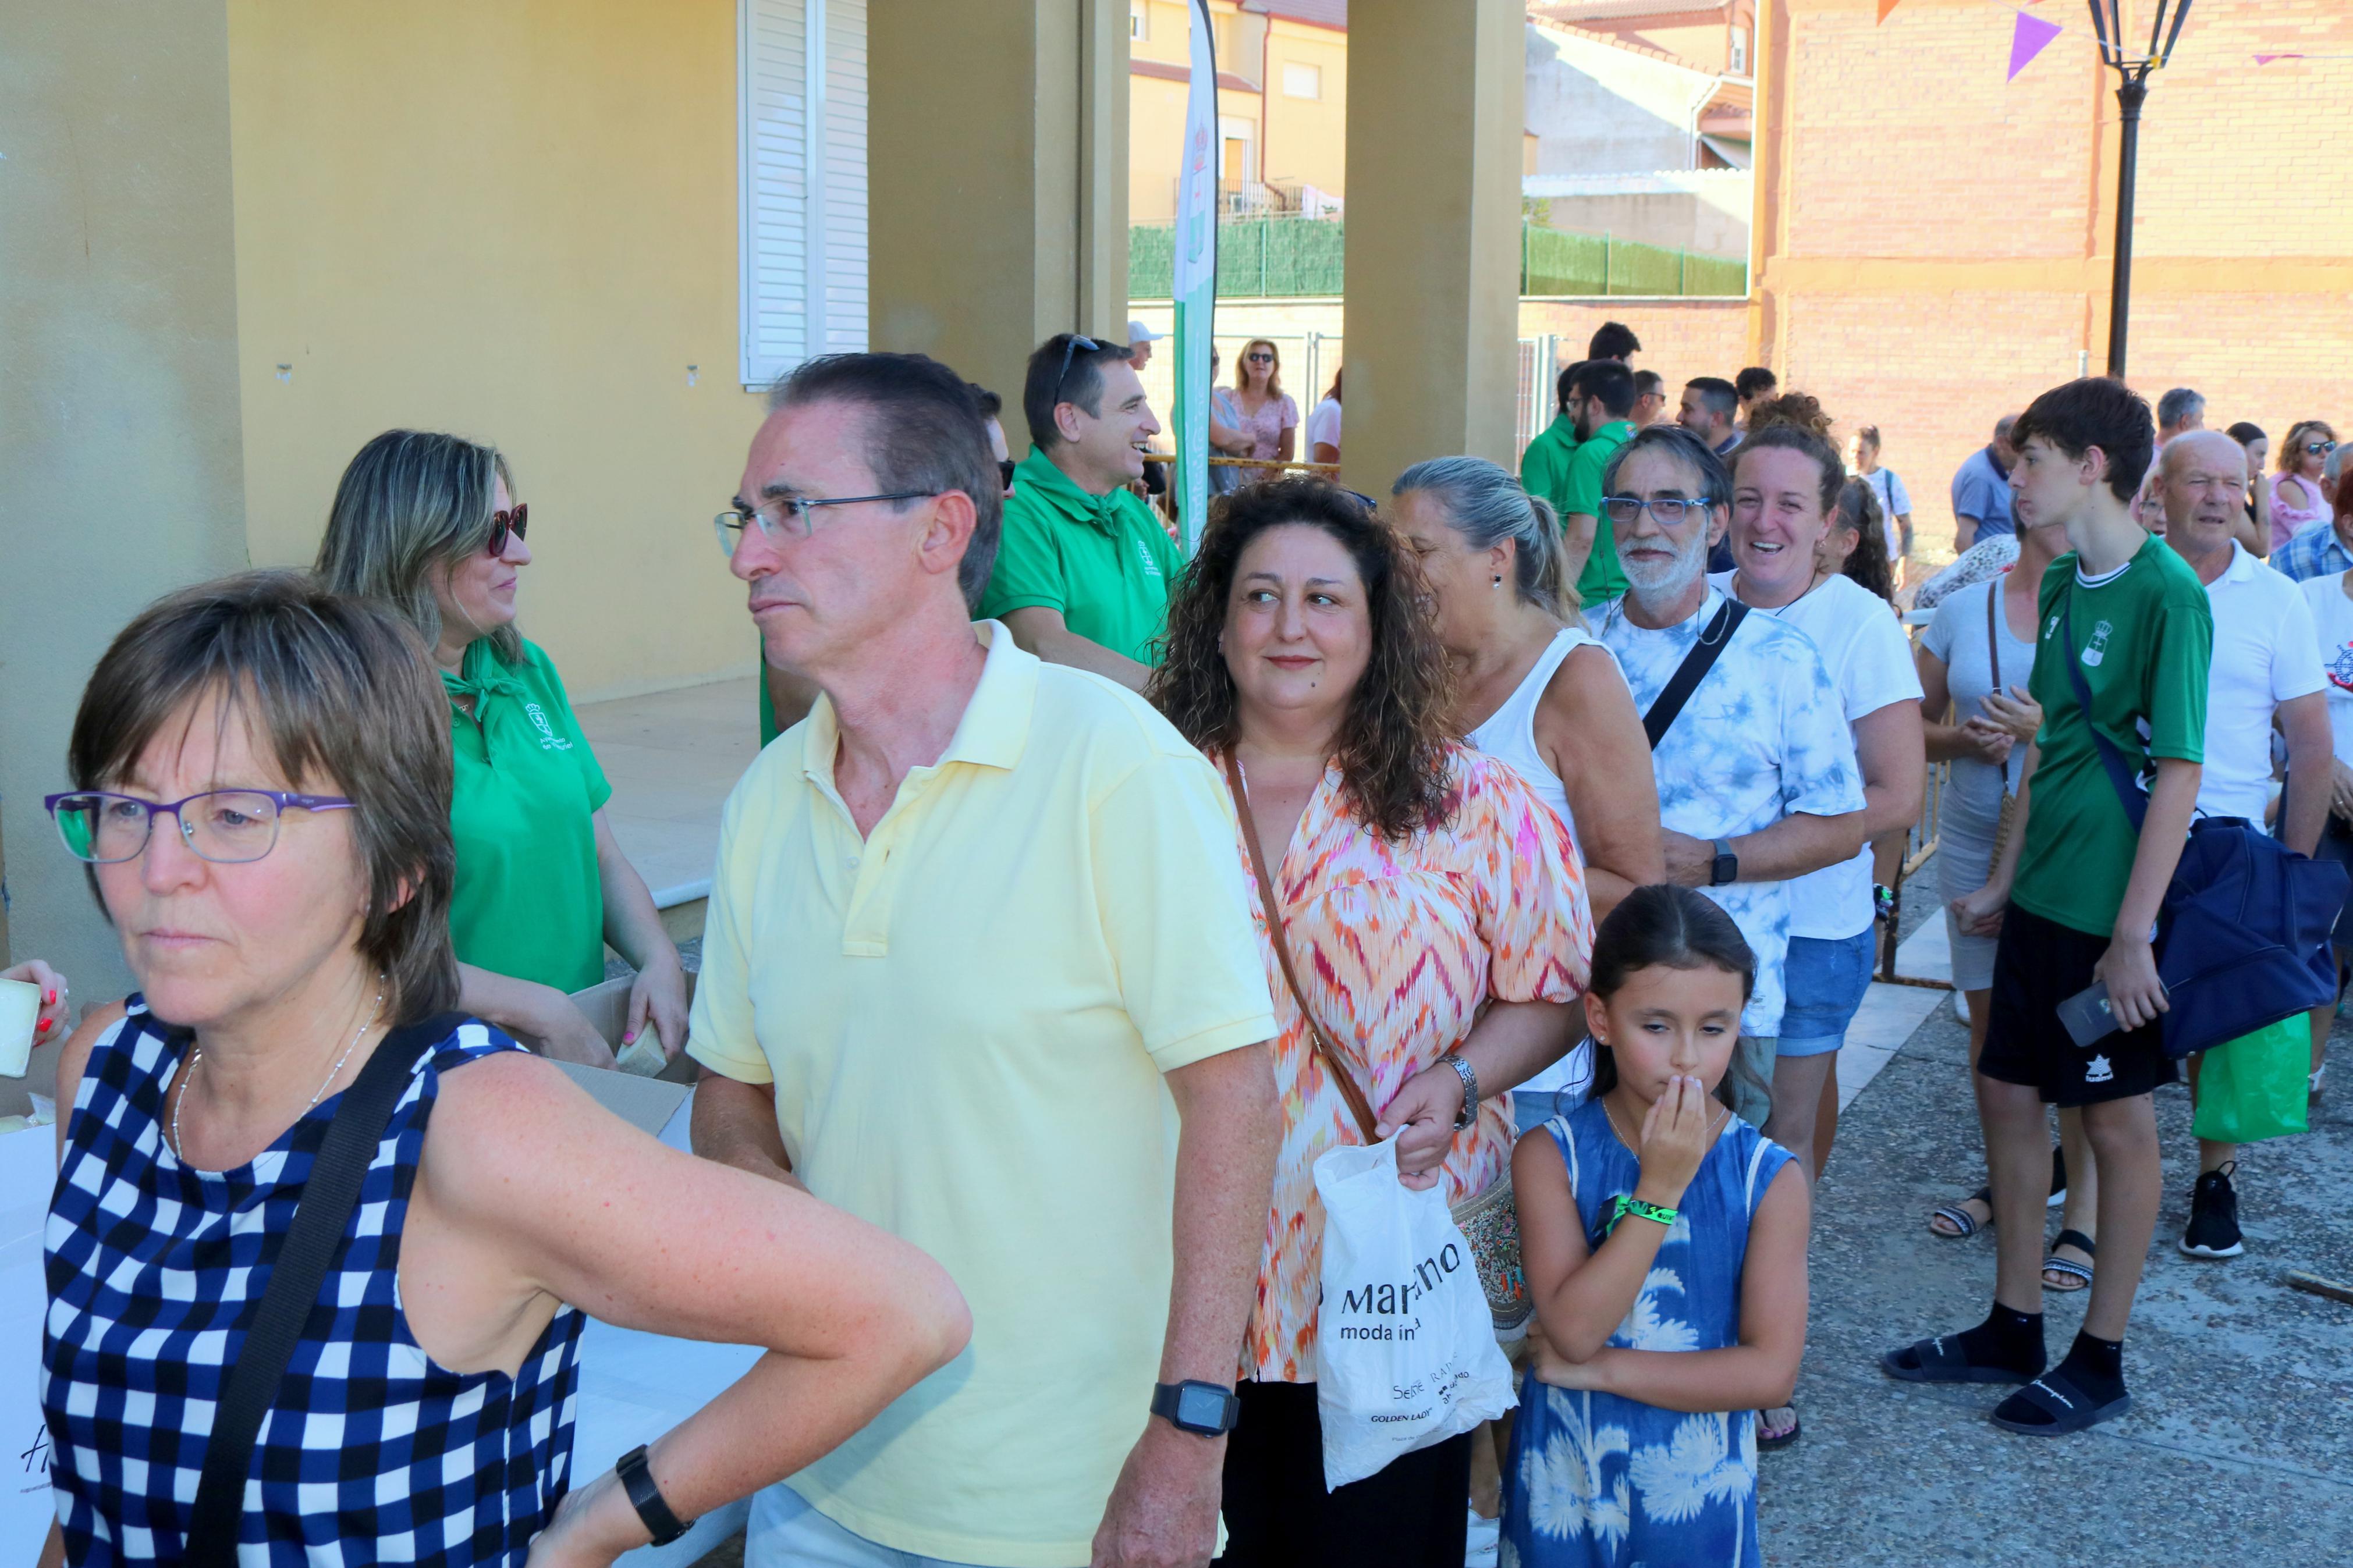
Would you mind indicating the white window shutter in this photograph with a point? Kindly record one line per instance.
(803, 117)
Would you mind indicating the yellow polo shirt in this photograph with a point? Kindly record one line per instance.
(967, 1017)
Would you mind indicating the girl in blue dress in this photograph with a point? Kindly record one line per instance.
(1665, 1246)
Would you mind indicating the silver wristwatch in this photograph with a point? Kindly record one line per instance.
(1470, 1090)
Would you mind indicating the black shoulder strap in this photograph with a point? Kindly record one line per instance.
(1693, 669)
(328, 1195)
(2120, 774)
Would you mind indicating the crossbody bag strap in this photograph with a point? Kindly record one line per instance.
(2120, 774)
(1358, 1106)
(329, 1194)
(1693, 669)
(1993, 654)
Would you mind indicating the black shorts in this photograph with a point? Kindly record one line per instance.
(2039, 964)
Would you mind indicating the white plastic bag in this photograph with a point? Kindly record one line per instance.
(1405, 1352)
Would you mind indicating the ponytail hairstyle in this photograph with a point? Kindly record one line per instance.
(1859, 510)
(1796, 420)
(1485, 505)
(1663, 924)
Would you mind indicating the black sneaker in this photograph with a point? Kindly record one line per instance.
(2213, 1227)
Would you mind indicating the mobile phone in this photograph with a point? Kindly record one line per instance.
(2087, 1014)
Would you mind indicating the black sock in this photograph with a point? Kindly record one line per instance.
(2096, 1366)
(2006, 1339)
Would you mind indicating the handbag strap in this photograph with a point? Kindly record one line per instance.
(2120, 774)
(329, 1194)
(1328, 1053)
(1693, 669)
(1993, 634)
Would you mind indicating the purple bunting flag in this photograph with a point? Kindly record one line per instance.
(2034, 34)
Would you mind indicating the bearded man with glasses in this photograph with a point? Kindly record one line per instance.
(1756, 773)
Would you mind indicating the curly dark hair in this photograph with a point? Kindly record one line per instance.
(1396, 742)
(1859, 510)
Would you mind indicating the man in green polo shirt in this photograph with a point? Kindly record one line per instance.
(1544, 467)
(1082, 574)
(1601, 399)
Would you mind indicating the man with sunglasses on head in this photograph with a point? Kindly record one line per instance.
(1082, 576)
(1756, 768)
(979, 970)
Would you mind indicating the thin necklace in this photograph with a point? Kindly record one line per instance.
(1813, 583)
(1635, 1143)
(188, 1077)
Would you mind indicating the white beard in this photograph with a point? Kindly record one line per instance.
(1654, 583)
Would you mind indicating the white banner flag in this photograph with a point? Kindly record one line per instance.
(1195, 281)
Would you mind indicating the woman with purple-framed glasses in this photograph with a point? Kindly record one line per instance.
(261, 776)
(426, 525)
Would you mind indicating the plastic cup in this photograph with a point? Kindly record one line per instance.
(20, 1010)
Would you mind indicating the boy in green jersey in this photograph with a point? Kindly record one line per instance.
(2075, 896)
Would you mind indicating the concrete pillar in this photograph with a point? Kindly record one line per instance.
(120, 466)
(996, 174)
(1435, 126)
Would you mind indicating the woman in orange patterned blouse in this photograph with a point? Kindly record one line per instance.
(1436, 918)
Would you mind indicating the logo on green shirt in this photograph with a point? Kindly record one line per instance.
(2097, 648)
(1151, 567)
(549, 741)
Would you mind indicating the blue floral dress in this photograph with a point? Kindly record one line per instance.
(1600, 1481)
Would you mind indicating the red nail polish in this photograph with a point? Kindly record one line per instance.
(50, 998)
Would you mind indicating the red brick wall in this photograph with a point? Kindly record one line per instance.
(1939, 250)
(1680, 338)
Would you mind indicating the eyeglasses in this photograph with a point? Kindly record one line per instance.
(502, 524)
(792, 516)
(226, 826)
(1005, 467)
(1669, 509)
(2319, 448)
(1070, 352)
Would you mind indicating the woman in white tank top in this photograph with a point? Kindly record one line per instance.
(1534, 691)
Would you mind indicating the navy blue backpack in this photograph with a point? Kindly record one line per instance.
(2242, 940)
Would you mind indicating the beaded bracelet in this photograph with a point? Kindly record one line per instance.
(1627, 1204)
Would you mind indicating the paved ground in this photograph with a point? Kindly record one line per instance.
(2240, 1443)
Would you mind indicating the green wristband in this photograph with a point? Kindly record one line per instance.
(1627, 1204)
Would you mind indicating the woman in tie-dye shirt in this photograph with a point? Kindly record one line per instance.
(1435, 913)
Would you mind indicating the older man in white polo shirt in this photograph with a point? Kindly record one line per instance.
(2266, 671)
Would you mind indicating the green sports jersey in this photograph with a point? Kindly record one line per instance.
(2143, 638)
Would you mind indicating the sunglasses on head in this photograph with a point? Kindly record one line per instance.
(1069, 351)
(504, 524)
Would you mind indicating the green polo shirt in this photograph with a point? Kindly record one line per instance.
(1603, 577)
(1544, 467)
(528, 902)
(2144, 638)
(1103, 561)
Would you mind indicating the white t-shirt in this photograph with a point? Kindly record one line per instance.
(1895, 500)
(2263, 655)
(2332, 621)
(1323, 425)
(1869, 659)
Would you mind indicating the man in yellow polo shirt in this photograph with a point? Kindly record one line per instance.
(978, 968)
(1082, 574)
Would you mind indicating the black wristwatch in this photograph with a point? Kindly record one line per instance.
(1204, 1409)
(638, 1480)
(1726, 868)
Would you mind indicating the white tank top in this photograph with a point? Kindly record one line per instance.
(1509, 735)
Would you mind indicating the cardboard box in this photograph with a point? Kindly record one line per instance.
(607, 1009)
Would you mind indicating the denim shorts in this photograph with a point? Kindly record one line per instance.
(1825, 979)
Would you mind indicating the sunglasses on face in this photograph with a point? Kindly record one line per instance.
(1005, 467)
(504, 524)
(1260, 357)
(2319, 448)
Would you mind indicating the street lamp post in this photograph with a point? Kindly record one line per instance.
(2132, 91)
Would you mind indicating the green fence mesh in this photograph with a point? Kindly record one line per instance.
(1290, 257)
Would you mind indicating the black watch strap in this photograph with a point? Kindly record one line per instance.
(1726, 866)
(638, 1480)
(1204, 1409)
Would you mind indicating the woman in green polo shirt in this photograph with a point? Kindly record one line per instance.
(427, 523)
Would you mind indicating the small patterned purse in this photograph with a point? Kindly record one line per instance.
(1489, 1220)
